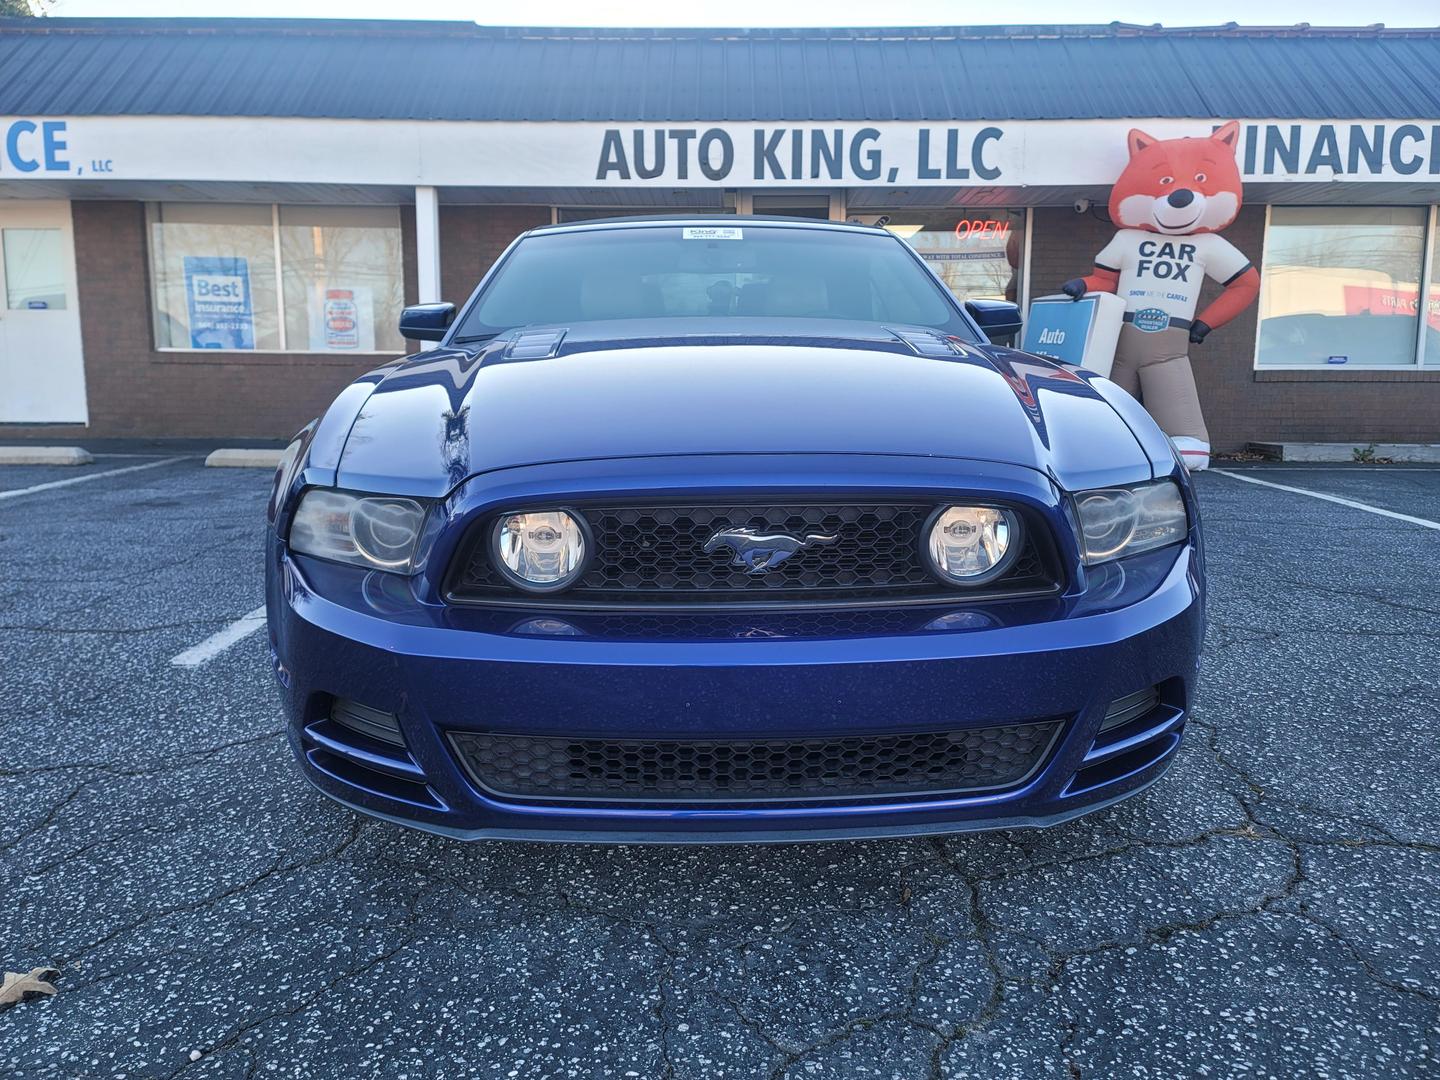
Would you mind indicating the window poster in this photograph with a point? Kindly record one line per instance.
(343, 320)
(217, 295)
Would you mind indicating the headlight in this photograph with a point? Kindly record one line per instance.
(1115, 522)
(970, 545)
(374, 531)
(540, 551)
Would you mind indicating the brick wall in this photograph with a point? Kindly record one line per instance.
(472, 237)
(1241, 404)
(136, 391)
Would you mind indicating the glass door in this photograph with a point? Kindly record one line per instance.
(42, 369)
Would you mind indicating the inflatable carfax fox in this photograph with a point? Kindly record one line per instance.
(1184, 190)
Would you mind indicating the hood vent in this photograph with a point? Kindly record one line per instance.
(928, 342)
(535, 345)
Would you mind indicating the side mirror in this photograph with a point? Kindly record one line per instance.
(426, 322)
(998, 318)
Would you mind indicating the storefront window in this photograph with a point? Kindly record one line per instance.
(977, 255)
(343, 286)
(213, 276)
(1340, 286)
(215, 267)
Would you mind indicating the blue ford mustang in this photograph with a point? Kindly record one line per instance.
(735, 531)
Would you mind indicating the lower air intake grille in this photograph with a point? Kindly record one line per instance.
(673, 770)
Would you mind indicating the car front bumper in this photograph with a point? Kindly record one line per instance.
(338, 632)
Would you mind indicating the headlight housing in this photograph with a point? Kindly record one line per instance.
(541, 550)
(1116, 522)
(378, 532)
(971, 545)
(285, 473)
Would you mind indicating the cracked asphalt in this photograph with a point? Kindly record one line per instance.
(1270, 909)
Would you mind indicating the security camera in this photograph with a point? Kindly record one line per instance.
(1082, 206)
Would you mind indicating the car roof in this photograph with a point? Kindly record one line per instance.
(712, 221)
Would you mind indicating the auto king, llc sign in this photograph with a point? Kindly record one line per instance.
(449, 153)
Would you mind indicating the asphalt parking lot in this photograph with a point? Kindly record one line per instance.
(1270, 909)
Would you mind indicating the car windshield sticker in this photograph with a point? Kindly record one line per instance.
(711, 233)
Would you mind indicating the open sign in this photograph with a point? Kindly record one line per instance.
(981, 229)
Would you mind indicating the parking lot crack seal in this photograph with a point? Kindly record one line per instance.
(1072, 1029)
(233, 1039)
(1366, 966)
(1159, 935)
(279, 866)
(164, 765)
(1356, 594)
(662, 1017)
(994, 1004)
(754, 1026)
(45, 822)
(792, 1054)
(1213, 743)
(848, 1031)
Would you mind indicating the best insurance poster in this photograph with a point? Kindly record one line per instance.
(217, 295)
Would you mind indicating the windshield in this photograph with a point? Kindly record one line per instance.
(723, 272)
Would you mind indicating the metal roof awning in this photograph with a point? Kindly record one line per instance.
(462, 72)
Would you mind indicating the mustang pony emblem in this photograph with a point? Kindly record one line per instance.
(757, 551)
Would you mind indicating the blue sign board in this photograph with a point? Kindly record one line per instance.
(1059, 329)
(217, 294)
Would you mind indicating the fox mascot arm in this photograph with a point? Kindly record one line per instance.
(1240, 292)
(1102, 280)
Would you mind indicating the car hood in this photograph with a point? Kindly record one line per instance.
(618, 390)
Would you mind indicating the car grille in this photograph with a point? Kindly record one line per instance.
(656, 554)
(737, 770)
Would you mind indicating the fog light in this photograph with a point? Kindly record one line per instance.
(540, 551)
(970, 545)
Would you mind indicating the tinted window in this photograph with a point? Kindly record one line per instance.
(664, 272)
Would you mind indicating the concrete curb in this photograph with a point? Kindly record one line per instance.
(1350, 452)
(244, 459)
(45, 455)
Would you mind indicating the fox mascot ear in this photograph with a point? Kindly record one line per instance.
(1139, 141)
(1229, 134)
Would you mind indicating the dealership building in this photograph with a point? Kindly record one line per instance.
(207, 227)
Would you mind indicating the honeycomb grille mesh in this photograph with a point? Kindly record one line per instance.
(657, 553)
(673, 770)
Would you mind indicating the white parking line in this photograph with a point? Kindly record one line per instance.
(88, 476)
(221, 640)
(1337, 467)
(1426, 522)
